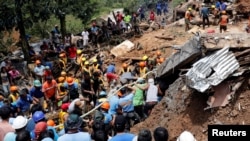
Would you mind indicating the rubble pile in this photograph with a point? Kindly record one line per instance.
(243, 6)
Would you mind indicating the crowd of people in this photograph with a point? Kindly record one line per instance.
(217, 11)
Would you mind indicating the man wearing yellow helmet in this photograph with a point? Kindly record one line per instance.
(86, 68)
(188, 18)
(223, 21)
(63, 60)
(216, 14)
(148, 62)
(95, 66)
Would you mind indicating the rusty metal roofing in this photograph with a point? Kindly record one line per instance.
(211, 70)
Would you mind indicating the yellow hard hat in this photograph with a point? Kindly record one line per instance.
(63, 73)
(145, 57)
(223, 12)
(86, 63)
(189, 9)
(79, 51)
(83, 59)
(213, 6)
(95, 60)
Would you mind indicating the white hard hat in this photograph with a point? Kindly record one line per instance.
(19, 122)
(186, 136)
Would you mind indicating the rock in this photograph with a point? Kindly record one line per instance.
(234, 113)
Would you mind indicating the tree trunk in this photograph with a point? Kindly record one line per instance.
(24, 42)
(63, 26)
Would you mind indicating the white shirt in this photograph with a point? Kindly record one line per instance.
(152, 93)
(39, 70)
(85, 35)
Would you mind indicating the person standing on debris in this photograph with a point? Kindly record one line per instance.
(135, 24)
(204, 14)
(223, 6)
(85, 37)
(23, 102)
(216, 14)
(72, 88)
(151, 97)
(56, 30)
(62, 94)
(152, 16)
(95, 67)
(63, 61)
(49, 88)
(94, 32)
(110, 73)
(72, 53)
(87, 89)
(158, 59)
(142, 69)
(164, 7)
(5, 81)
(188, 18)
(223, 22)
(105, 31)
(14, 75)
(36, 92)
(14, 94)
(38, 70)
(158, 8)
(126, 104)
(87, 68)
(127, 20)
(125, 68)
(138, 100)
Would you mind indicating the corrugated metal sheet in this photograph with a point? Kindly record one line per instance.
(212, 70)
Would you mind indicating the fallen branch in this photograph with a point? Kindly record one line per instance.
(165, 38)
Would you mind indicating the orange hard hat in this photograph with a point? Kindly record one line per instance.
(61, 79)
(119, 93)
(124, 65)
(105, 105)
(38, 62)
(142, 64)
(13, 88)
(51, 123)
(70, 80)
(161, 60)
(158, 53)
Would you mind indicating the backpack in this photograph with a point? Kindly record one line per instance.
(73, 92)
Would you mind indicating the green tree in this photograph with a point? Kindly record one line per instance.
(21, 14)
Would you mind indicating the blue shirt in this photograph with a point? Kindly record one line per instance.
(223, 6)
(37, 93)
(126, 103)
(80, 136)
(113, 101)
(54, 131)
(75, 85)
(11, 136)
(111, 69)
(94, 29)
(107, 117)
(24, 104)
(158, 6)
(217, 5)
(204, 12)
(123, 137)
(30, 125)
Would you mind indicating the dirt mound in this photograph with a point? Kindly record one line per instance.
(243, 6)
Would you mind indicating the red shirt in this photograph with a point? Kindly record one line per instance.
(152, 16)
(72, 52)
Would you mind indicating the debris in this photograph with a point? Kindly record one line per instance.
(234, 113)
(122, 48)
(189, 52)
(165, 38)
(212, 70)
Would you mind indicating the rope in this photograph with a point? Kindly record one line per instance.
(112, 94)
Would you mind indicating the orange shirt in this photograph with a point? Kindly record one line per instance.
(49, 89)
(224, 20)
